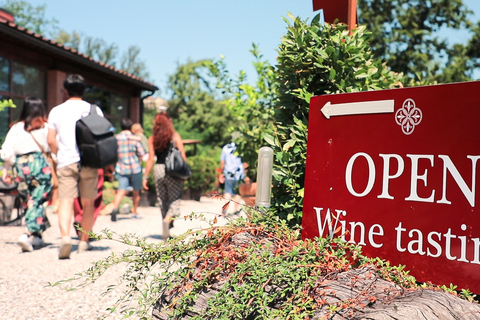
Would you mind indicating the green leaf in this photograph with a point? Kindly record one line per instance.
(288, 145)
(269, 139)
(333, 73)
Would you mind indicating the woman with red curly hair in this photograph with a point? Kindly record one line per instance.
(169, 189)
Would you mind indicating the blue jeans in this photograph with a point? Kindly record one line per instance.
(133, 180)
(231, 186)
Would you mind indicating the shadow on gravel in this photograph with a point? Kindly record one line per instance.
(57, 246)
(128, 218)
(75, 247)
(156, 237)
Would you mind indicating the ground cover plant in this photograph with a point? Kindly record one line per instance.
(253, 268)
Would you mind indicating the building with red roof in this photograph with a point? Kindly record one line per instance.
(32, 65)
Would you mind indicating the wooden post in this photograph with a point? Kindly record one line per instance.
(352, 15)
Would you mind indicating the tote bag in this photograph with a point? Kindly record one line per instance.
(175, 166)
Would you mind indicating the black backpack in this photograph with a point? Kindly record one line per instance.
(96, 140)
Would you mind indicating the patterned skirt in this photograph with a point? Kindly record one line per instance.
(34, 177)
(169, 191)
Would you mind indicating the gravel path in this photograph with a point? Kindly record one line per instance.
(24, 293)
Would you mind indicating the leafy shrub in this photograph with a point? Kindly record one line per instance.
(203, 173)
(314, 59)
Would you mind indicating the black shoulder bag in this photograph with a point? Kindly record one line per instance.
(175, 166)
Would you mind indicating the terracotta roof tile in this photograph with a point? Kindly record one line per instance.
(74, 51)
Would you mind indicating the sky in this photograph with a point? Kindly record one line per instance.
(170, 32)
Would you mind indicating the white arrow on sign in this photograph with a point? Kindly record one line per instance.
(365, 107)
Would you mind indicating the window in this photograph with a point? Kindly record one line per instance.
(115, 107)
(16, 82)
(28, 81)
(4, 75)
(4, 122)
(119, 108)
(99, 97)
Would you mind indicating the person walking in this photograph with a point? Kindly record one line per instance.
(129, 167)
(169, 189)
(73, 180)
(24, 148)
(233, 171)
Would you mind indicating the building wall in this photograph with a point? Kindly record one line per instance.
(55, 91)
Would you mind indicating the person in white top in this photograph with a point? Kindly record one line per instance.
(24, 145)
(73, 180)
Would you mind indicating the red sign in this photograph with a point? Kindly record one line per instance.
(332, 10)
(395, 171)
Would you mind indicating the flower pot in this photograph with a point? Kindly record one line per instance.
(192, 194)
(248, 191)
(143, 200)
(152, 198)
(186, 194)
(195, 194)
(148, 199)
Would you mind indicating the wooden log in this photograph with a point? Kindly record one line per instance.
(370, 297)
(386, 300)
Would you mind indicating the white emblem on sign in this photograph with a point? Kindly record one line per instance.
(408, 116)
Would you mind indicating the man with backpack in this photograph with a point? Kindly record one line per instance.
(73, 179)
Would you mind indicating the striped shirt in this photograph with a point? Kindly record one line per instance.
(130, 151)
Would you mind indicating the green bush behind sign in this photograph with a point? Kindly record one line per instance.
(314, 59)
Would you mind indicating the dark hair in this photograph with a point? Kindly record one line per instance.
(32, 108)
(126, 124)
(75, 85)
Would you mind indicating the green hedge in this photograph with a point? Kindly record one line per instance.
(203, 173)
